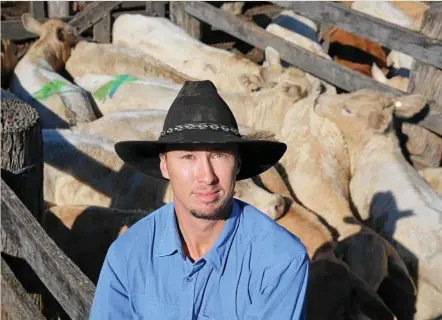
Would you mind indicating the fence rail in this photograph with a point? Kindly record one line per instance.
(72, 289)
(385, 33)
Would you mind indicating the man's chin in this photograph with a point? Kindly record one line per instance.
(215, 212)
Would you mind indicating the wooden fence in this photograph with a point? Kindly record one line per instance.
(72, 289)
(21, 233)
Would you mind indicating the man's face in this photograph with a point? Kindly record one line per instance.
(202, 180)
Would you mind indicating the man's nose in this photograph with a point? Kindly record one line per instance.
(206, 173)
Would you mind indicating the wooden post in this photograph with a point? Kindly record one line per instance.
(426, 79)
(102, 30)
(38, 9)
(184, 20)
(156, 8)
(58, 9)
(22, 151)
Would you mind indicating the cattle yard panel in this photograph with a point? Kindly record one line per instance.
(66, 282)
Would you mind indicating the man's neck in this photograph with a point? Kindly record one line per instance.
(198, 235)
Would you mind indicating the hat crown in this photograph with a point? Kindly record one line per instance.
(198, 102)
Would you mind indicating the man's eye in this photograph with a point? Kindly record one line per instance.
(187, 156)
(220, 155)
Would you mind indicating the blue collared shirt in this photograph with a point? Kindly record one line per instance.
(254, 270)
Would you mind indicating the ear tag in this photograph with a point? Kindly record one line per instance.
(398, 104)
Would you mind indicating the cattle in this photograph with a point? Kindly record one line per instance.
(388, 193)
(263, 110)
(163, 40)
(350, 50)
(357, 245)
(299, 30)
(36, 81)
(353, 51)
(327, 271)
(8, 60)
(112, 60)
(132, 125)
(83, 169)
(407, 14)
(317, 168)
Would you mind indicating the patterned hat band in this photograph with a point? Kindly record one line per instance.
(200, 126)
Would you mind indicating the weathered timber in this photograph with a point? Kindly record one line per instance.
(156, 8)
(102, 30)
(422, 145)
(387, 34)
(125, 5)
(336, 74)
(93, 13)
(14, 30)
(16, 303)
(426, 79)
(22, 151)
(185, 21)
(37, 9)
(57, 9)
(72, 289)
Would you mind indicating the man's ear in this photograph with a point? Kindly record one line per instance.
(163, 166)
(238, 165)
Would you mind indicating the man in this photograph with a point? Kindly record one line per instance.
(205, 255)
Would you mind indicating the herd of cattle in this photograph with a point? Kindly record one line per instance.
(360, 199)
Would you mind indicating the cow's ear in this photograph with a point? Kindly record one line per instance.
(272, 58)
(379, 121)
(409, 105)
(31, 24)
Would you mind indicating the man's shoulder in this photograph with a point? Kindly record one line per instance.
(267, 236)
(141, 233)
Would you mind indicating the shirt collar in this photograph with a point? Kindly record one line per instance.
(217, 254)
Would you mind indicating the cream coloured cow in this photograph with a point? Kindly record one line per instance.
(387, 191)
(83, 169)
(318, 171)
(36, 81)
(263, 110)
(305, 34)
(358, 245)
(165, 41)
(112, 60)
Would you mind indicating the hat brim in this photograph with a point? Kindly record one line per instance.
(257, 156)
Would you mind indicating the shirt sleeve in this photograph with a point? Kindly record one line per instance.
(282, 295)
(111, 300)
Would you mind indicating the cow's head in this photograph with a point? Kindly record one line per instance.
(56, 39)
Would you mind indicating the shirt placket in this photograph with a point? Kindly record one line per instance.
(187, 297)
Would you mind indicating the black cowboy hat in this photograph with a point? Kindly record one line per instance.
(199, 116)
